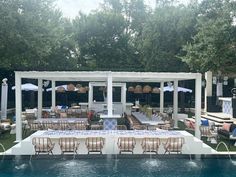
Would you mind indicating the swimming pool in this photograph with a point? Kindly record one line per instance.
(117, 166)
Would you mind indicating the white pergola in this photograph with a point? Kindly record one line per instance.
(109, 78)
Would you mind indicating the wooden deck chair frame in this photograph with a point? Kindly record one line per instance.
(42, 145)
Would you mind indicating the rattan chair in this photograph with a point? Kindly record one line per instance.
(68, 144)
(43, 145)
(95, 144)
(174, 144)
(150, 145)
(207, 132)
(126, 144)
(96, 127)
(121, 127)
(35, 126)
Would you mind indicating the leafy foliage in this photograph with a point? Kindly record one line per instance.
(124, 35)
(31, 34)
(213, 46)
(165, 32)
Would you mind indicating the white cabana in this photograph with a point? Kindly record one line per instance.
(109, 78)
(27, 87)
(180, 89)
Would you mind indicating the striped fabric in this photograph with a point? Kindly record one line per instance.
(94, 144)
(68, 144)
(121, 127)
(174, 144)
(96, 127)
(206, 132)
(150, 145)
(35, 127)
(78, 126)
(42, 145)
(126, 144)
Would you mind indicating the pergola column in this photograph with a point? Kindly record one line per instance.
(175, 108)
(109, 95)
(208, 88)
(40, 97)
(123, 97)
(162, 97)
(198, 91)
(18, 97)
(53, 94)
(90, 95)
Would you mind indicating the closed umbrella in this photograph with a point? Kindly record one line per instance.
(180, 89)
(27, 87)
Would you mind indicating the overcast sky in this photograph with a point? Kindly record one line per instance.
(70, 8)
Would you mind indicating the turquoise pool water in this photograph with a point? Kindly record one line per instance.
(117, 167)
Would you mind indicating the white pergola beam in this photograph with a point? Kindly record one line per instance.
(198, 92)
(109, 95)
(53, 94)
(175, 107)
(18, 94)
(102, 76)
(40, 98)
(208, 88)
(162, 97)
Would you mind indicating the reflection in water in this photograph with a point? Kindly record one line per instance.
(116, 167)
(21, 167)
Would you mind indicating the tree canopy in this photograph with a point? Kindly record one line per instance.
(214, 45)
(121, 35)
(32, 33)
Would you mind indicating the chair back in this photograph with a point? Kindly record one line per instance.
(94, 144)
(174, 144)
(126, 144)
(150, 144)
(121, 127)
(42, 144)
(205, 131)
(68, 144)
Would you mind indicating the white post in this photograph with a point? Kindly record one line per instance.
(208, 88)
(162, 98)
(198, 90)
(40, 97)
(175, 107)
(109, 95)
(53, 94)
(4, 95)
(90, 94)
(123, 98)
(18, 107)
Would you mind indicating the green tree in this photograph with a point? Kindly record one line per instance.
(214, 45)
(105, 39)
(170, 27)
(32, 33)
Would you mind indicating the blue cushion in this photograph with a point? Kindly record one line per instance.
(205, 122)
(234, 133)
(63, 107)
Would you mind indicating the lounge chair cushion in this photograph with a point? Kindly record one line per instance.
(205, 122)
(226, 127)
(232, 127)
